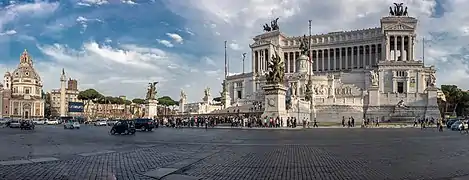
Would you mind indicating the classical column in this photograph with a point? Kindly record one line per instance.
(340, 58)
(409, 49)
(294, 62)
(329, 62)
(403, 58)
(413, 47)
(346, 58)
(323, 59)
(63, 79)
(362, 56)
(317, 60)
(395, 48)
(388, 48)
(334, 62)
(287, 60)
(352, 57)
(370, 50)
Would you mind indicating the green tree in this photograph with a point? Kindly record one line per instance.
(138, 101)
(89, 95)
(456, 99)
(166, 102)
(127, 102)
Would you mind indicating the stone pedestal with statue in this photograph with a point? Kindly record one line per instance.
(274, 90)
(151, 103)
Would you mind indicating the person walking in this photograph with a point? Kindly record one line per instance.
(315, 123)
(343, 121)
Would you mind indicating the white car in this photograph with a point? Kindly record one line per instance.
(14, 124)
(100, 123)
(72, 125)
(39, 122)
(52, 122)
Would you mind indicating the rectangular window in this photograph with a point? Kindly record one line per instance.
(400, 87)
(239, 95)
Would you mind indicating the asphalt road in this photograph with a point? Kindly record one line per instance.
(51, 152)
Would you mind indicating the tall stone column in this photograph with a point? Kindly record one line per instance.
(334, 67)
(340, 59)
(323, 59)
(63, 80)
(395, 48)
(370, 48)
(317, 62)
(388, 48)
(353, 57)
(403, 56)
(346, 58)
(409, 49)
(413, 47)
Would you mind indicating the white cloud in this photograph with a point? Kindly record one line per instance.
(209, 61)
(9, 32)
(92, 2)
(128, 2)
(176, 37)
(165, 42)
(235, 46)
(30, 10)
(123, 70)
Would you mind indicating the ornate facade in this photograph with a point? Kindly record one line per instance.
(371, 73)
(22, 91)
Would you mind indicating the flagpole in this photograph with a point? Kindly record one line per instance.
(423, 51)
(226, 64)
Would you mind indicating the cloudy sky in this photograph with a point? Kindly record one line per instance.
(118, 46)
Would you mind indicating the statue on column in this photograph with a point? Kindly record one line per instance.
(304, 45)
(183, 96)
(374, 78)
(276, 71)
(309, 90)
(431, 80)
(151, 91)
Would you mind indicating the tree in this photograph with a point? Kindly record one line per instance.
(89, 95)
(166, 101)
(138, 101)
(127, 102)
(456, 99)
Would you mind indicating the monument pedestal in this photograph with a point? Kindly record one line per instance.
(275, 101)
(227, 100)
(432, 109)
(372, 110)
(151, 109)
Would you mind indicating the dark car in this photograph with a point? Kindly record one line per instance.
(27, 124)
(450, 122)
(123, 127)
(145, 124)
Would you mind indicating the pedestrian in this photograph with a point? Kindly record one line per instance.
(315, 123)
(343, 121)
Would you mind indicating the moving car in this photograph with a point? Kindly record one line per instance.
(100, 123)
(14, 123)
(450, 122)
(123, 127)
(52, 122)
(457, 126)
(145, 124)
(70, 124)
(27, 124)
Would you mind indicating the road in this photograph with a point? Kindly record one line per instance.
(51, 152)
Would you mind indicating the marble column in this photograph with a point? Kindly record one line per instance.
(323, 59)
(370, 48)
(388, 48)
(395, 48)
(346, 58)
(409, 49)
(334, 62)
(403, 56)
(352, 57)
(340, 59)
(413, 47)
(317, 60)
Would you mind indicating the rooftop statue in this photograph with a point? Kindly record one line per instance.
(183, 95)
(273, 26)
(398, 10)
(207, 92)
(276, 71)
(151, 91)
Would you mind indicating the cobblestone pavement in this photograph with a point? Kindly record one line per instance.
(50, 152)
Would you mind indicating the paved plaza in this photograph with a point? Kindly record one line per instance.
(50, 152)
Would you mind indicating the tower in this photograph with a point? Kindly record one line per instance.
(63, 80)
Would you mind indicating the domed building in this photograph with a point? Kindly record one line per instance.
(22, 93)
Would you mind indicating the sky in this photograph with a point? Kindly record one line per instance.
(118, 46)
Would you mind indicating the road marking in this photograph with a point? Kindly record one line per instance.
(45, 159)
(160, 172)
(96, 153)
(180, 177)
(15, 162)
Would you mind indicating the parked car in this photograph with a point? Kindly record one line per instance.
(27, 124)
(123, 127)
(14, 124)
(70, 124)
(112, 122)
(100, 123)
(39, 122)
(145, 124)
(52, 122)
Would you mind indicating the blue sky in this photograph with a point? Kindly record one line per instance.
(118, 46)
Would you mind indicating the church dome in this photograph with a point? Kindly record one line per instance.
(26, 70)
